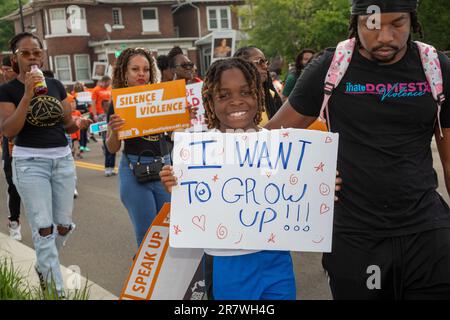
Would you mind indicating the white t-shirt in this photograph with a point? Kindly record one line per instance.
(47, 153)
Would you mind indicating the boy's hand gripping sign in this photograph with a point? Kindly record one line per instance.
(267, 190)
(152, 109)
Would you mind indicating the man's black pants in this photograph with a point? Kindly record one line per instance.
(13, 195)
(415, 266)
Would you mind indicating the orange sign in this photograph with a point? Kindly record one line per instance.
(152, 109)
(160, 272)
(149, 259)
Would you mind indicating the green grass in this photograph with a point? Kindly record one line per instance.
(14, 286)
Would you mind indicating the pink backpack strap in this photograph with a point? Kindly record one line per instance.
(433, 73)
(339, 65)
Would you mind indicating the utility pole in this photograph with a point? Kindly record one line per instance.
(21, 16)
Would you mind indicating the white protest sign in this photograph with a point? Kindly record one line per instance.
(84, 97)
(270, 190)
(194, 97)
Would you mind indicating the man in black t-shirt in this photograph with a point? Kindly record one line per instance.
(391, 237)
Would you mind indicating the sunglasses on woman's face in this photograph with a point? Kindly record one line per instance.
(261, 62)
(28, 53)
(187, 65)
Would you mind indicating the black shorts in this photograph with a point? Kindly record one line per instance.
(415, 266)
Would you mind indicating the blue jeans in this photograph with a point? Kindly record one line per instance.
(142, 200)
(46, 187)
(110, 158)
(83, 138)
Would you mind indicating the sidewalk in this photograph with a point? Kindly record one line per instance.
(24, 258)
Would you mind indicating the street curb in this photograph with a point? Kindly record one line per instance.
(24, 259)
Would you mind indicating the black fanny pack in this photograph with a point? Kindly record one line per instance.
(146, 172)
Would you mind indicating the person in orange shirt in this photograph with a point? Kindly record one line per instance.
(100, 93)
(82, 105)
(75, 137)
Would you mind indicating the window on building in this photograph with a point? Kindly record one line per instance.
(82, 70)
(206, 62)
(58, 21)
(219, 18)
(102, 57)
(117, 16)
(76, 19)
(68, 20)
(62, 68)
(150, 21)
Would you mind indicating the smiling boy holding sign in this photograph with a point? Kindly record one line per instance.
(236, 186)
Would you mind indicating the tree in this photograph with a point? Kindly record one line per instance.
(284, 27)
(434, 16)
(6, 27)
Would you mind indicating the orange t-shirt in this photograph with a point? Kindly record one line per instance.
(318, 125)
(76, 135)
(100, 94)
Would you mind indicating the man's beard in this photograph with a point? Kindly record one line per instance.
(384, 59)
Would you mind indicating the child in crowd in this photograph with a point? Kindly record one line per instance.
(110, 158)
(75, 137)
(233, 97)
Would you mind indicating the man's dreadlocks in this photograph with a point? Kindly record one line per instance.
(211, 87)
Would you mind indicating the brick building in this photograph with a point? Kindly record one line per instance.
(78, 33)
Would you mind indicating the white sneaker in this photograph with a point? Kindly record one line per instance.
(14, 230)
(108, 172)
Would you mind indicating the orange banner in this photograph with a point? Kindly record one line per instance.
(159, 272)
(149, 259)
(152, 109)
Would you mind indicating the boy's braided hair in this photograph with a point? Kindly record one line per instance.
(211, 87)
(120, 68)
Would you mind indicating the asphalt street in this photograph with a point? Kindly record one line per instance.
(103, 244)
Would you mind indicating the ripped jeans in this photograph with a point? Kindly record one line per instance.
(46, 187)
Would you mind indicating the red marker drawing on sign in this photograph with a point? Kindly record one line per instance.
(179, 174)
(324, 189)
(199, 222)
(184, 154)
(293, 180)
(177, 229)
(222, 232)
(317, 242)
(328, 140)
(324, 208)
(271, 238)
(215, 178)
(240, 239)
(320, 167)
(286, 134)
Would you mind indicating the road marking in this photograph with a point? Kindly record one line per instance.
(91, 166)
